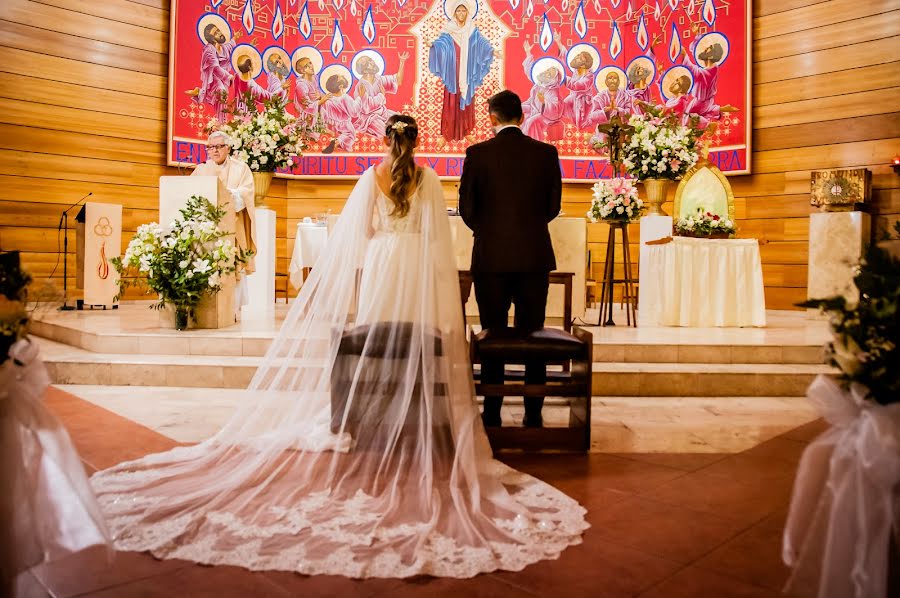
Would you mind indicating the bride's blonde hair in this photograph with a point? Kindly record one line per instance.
(402, 131)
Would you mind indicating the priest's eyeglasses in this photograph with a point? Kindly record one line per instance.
(216, 147)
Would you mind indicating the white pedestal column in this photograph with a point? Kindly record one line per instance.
(652, 227)
(836, 241)
(261, 284)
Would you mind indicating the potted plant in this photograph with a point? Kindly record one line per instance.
(266, 139)
(615, 200)
(705, 225)
(181, 262)
(13, 294)
(660, 149)
(844, 521)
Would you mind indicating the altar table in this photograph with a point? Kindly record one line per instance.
(702, 283)
(309, 243)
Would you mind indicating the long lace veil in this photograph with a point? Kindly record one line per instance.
(358, 449)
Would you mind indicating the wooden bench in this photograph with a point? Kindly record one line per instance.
(571, 348)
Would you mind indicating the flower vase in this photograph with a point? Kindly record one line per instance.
(261, 183)
(656, 195)
(181, 318)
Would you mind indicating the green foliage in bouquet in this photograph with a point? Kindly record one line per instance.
(660, 146)
(183, 261)
(266, 139)
(13, 296)
(866, 334)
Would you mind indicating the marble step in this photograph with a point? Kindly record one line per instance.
(677, 346)
(619, 424)
(72, 365)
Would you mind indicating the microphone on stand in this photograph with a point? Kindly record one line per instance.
(64, 223)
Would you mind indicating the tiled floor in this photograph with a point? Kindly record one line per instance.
(663, 525)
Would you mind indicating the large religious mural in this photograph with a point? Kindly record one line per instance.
(349, 64)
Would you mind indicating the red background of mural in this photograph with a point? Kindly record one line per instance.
(420, 92)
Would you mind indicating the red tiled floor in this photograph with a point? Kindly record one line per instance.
(664, 530)
(666, 525)
(807, 432)
(693, 582)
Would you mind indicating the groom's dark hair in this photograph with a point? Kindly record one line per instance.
(506, 106)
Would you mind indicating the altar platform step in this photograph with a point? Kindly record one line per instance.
(73, 365)
(790, 338)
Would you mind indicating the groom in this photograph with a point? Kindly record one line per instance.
(510, 189)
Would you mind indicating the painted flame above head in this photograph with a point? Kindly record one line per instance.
(338, 4)
(615, 42)
(689, 7)
(514, 4)
(565, 5)
(277, 23)
(674, 44)
(247, 17)
(546, 37)
(642, 38)
(292, 3)
(215, 3)
(368, 28)
(529, 8)
(305, 25)
(629, 12)
(580, 21)
(657, 12)
(353, 8)
(337, 40)
(673, 4)
(709, 12)
(615, 4)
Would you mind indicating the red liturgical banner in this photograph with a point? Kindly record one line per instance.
(350, 64)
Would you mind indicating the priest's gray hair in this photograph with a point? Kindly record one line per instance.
(219, 135)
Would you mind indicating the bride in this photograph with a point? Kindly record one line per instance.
(358, 450)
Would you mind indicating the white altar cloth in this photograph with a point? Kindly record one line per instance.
(309, 243)
(702, 283)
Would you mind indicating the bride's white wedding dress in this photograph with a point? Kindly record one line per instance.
(358, 450)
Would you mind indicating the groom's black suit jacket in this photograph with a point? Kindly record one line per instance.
(510, 189)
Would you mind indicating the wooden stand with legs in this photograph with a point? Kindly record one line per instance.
(609, 278)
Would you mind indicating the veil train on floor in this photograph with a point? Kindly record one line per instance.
(358, 449)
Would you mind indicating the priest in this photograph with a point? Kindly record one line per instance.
(235, 175)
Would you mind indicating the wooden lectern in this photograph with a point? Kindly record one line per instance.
(98, 240)
(214, 311)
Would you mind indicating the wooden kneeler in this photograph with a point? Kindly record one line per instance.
(571, 348)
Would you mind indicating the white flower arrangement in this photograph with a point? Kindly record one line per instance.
(184, 261)
(268, 140)
(615, 199)
(704, 225)
(660, 147)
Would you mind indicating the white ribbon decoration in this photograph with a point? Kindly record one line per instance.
(845, 501)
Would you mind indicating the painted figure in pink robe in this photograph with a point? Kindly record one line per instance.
(246, 89)
(308, 99)
(370, 94)
(706, 80)
(278, 75)
(681, 101)
(639, 80)
(581, 84)
(340, 113)
(543, 110)
(614, 100)
(216, 73)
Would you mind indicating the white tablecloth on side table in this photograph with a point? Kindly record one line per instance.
(702, 283)
(311, 240)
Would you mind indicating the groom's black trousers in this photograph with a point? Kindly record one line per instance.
(494, 293)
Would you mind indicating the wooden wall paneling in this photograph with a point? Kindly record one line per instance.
(47, 141)
(847, 130)
(842, 33)
(849, 105)
(803, 86)
(75, 120)
(818, 15)
(826, 61)
(125, 11)
(70, 22)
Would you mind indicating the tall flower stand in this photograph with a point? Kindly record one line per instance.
(609, 277)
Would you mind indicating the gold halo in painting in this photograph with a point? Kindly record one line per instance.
(645, 62)
(708, 40)
(220, 23)
(275, 50)
(307, 52)
(670, 76)
(578, 49)
(601, 77)
(378, 58)
(247, 51)
(547, 62)
(334, 69)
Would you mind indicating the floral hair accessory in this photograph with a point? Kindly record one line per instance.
(399, 126)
